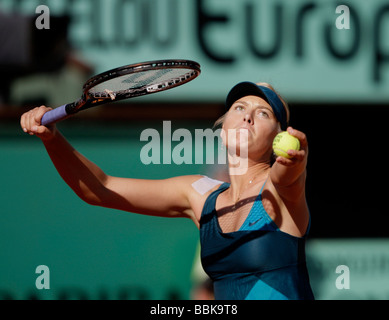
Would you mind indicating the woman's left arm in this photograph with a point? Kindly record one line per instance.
(288, 175)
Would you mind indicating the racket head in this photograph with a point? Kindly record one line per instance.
(138, 79)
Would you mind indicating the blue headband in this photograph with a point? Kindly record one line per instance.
(246, 88)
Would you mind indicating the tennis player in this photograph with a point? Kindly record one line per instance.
(252, 229)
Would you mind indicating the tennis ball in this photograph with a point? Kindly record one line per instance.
(284, 142)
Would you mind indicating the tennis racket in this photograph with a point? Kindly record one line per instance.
(127, 82)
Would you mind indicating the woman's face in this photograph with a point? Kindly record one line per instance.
(252, 119)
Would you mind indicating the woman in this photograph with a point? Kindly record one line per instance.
(252, 230)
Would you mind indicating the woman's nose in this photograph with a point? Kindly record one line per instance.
(248, 118)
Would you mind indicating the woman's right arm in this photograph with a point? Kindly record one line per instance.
(168, 197)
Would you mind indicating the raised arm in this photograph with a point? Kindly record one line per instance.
(288, 175)
(168, 198)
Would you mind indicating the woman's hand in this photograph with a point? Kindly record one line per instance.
(296, 156)
(31, 123)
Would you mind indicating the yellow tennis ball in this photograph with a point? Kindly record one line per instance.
(284, 142)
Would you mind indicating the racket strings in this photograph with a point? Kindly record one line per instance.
(141, 82)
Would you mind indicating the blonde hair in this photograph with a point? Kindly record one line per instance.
(220, 121)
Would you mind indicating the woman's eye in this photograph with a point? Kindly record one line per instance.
(263, 114)
(239, 108)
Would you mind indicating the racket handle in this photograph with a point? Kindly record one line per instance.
(54, 115)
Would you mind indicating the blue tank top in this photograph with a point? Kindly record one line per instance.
(257, 262)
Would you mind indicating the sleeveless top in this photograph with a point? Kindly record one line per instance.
(257, 262)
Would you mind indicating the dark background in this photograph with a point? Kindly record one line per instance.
(347, 171)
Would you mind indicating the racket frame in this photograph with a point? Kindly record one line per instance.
(89, 100)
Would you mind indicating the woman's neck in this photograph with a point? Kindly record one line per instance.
(253, 173)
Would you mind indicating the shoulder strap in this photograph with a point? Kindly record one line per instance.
(260, 192)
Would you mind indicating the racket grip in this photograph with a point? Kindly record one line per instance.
(54, 115)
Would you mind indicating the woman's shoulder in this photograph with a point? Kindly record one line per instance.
(204, 184)
(199, 188)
